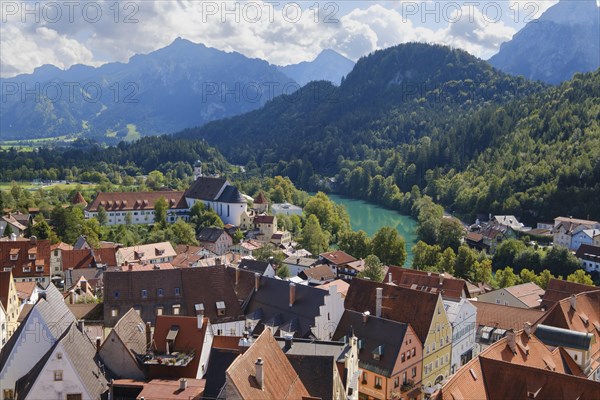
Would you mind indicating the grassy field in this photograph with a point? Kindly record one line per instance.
(34, 186)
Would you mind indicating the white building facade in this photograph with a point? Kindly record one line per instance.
(463, 319)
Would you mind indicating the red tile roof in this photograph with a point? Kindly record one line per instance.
(559, 289)
(21, 249)
(529, 293)
(280, 379)
(501, 373)
(78, 199)
(260, 199)
(133, 201)
(428, 281)
(505, 317)
(585, 317)
(338, 257)
(398, 304)
(264, 219)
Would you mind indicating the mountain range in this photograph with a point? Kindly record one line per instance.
(328, 66)
(563, 41)
(186, 85)
(179, 86)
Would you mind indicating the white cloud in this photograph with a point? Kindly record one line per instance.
(274, 37)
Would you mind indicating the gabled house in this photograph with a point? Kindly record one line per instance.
(432, 282)
(585, 236)
(246, 248)
(317, 275)
(28, 259)
(43, 326)
(463, 318)
(9, 298)
(338, 262)
(218, 195)
(17, 227)
(137, 207)
(125, 346)
(178, 292)
(70, 368)
(424, 311)
(290, 309)
(180, 347)
(493, 234)
(215, 239)
(28, 292)
(297, 264)
(153, 253)
(264, 268)
(590, 257)
(525, 295)
(80, 291)
(390, 355)
(263, 227)
(565, 228)
(263, 372)
(578, 318)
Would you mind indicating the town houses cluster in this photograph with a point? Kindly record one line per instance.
(157, 321)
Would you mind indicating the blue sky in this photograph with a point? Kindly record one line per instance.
(94, 32)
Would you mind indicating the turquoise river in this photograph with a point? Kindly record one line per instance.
(370, 217)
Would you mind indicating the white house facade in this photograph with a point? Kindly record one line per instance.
(463, 319)
(44, 325)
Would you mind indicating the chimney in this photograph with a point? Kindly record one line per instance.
(13, 237)
(98, 343)
(200, 320)
(365, 316)
(442, 279)
(33, 240)
(573, 301)
(389, 277)
(237, 276)
(378, 300)
(218, 261)
(511, 340)
(81, 325)
(182, 384)
(292, 294)
(289, 341)
(527, 328)
(260, 376)
(256, 281)
(148, 336)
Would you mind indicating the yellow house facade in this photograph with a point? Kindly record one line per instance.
(437, 349)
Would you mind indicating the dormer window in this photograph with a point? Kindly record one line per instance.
(160, 292)
(26, 269)
(144, 293)
(39, 268)
(220, 308)
(32, 256)
(14, 255)
(378, 353)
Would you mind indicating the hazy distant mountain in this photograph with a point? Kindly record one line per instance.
(563, 41)
(176, 87)
(328, 66)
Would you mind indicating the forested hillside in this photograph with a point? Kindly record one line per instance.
(471, 137)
